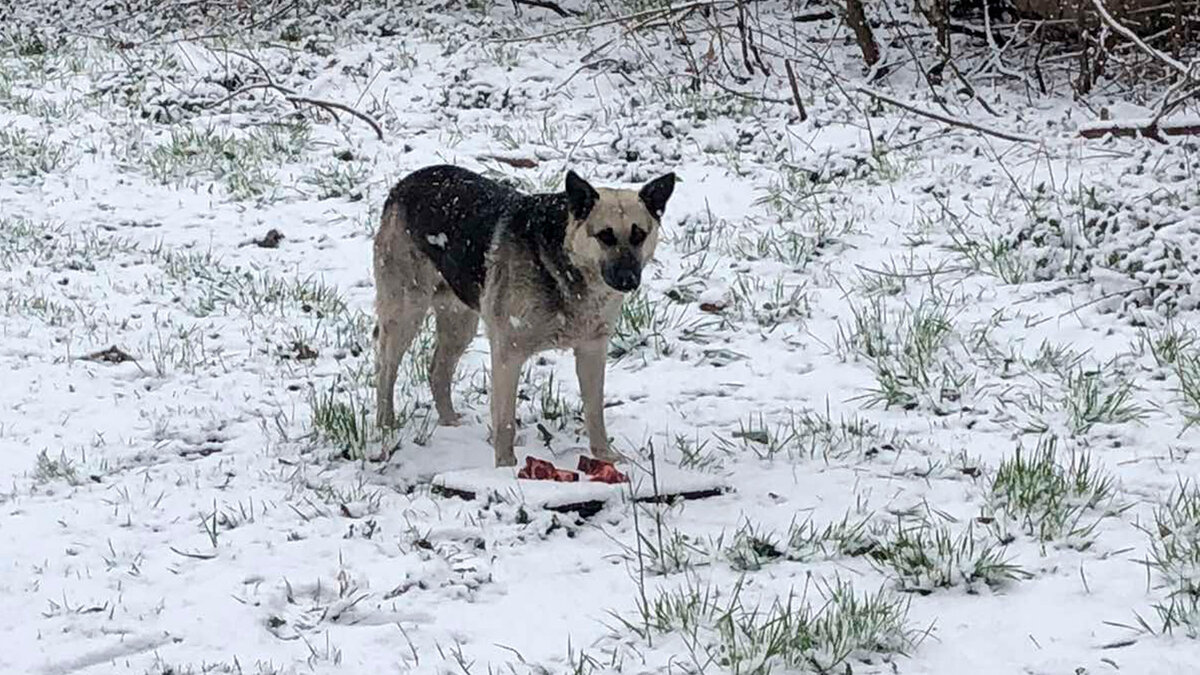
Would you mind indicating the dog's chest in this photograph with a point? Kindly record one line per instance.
(591, 318)
(538, 324)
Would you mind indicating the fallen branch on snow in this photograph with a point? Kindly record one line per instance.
(946, 119)
(546, 4)
(1151, 128)
(291, 97)
(331, 106)
(646, 17)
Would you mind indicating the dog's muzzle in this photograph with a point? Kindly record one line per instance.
(623, 274)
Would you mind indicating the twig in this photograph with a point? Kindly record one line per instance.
(250, 87)
(946, 119)
(334, 105)
(1170, 62)
(815, 15)
(655, 13)
(924, 274)
(741, 28)
(787, 64)
(1093, 301)
(546, 4)
(1149, 128)
(291, 97)
(197, 556)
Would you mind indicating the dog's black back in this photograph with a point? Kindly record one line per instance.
(452, 215)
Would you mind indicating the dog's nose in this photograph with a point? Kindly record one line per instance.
(626, 280)
(623, 278)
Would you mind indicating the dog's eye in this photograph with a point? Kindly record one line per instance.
(637, 235)
(607, 237)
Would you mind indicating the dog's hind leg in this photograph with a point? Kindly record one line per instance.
(400, 320)
(404, 286)
(457, 325)
(590, 360)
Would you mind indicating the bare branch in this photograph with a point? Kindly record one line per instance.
(1146, 128)
(334, 105)
(646, 14)
(787, 64)
(291, 97)
(814, 15)
(1170, 62)
(546, 4)
(243, 90)
(946, 119)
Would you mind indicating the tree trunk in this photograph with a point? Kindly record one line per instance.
(857, 18)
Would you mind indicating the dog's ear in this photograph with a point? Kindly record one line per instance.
(581, 196)
(656, 193)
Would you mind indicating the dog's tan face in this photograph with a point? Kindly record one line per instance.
(616, 231)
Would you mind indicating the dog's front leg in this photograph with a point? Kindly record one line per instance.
(506, 372)
(590, 360)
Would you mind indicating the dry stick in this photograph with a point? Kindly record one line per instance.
(1151, 129)
(1169, 102)
(1089, 303)
(291, 97)
(655, 13)
(758, 55)
(816, 15)
(334, 105)
(741, 28)
(249, 87)
(920, 66)
(546, 4)
(652, 22)
(924, 274)
(787, 64)
(1006, 135)
(998, 51)
(761, 98)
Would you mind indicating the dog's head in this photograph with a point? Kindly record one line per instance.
(615, 231)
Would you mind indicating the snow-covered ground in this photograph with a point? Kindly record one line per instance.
(949, 378)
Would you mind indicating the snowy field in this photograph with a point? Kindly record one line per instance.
(951, 380)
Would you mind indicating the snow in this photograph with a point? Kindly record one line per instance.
(177, 512)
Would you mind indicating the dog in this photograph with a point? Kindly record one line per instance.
(544, 270)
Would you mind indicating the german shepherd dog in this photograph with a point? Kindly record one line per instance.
(545, 271)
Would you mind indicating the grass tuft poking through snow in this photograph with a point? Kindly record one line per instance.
(723, 628)
(1175, 557)
(924, 557)
(343, 420)
(1187, 368)
(1090, 400)
(1050, 499)
(909, 350)
(751, 548)
(245, 165)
